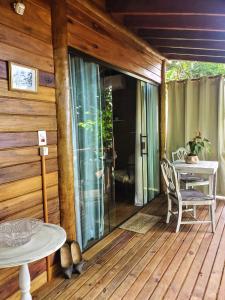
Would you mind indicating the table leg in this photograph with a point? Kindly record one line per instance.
(211, 185)
(24, 282)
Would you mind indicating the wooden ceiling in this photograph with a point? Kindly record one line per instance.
(178, 29)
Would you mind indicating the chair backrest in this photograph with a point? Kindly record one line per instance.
(179, 154)
(170, 177)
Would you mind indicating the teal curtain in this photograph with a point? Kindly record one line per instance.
(152, 124)
(88, 150)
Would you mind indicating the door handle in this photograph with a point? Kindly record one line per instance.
(143, 144)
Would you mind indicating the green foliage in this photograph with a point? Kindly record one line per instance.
(107, 115)
(180, 70)
(197, 144)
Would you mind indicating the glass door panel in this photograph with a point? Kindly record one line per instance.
(150, 141)
(89, 154)
(152, 117)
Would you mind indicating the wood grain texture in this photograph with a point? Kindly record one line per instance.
(10, 157)
(30, 22)
(161, 264)
(94, 33)
(45, 78)
(166, 6)
(25, 186)
(24, 139)
(14, 106)
(43, 94)
(17, 172)
(3, 69)
(65, 148)
(14, 54)
(15, 123)
(27, 40)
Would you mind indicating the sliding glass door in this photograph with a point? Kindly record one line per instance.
(97, 210)
(88, 150)
(149, 140)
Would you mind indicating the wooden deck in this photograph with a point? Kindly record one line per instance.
(158, 265)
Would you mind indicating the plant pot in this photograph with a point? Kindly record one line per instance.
(191, 159)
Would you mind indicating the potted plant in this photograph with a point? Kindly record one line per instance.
(196, 145)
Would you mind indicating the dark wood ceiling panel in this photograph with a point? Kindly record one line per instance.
(196, 58)
(181, 34)
(192, 44)
(143, 7)
(191, 29)
(204, 52)
(211, 23)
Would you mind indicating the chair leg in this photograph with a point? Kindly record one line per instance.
(194, 211)
(179, 217)
(212, 215)
(169, 210)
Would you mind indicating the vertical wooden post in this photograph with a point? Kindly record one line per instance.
(163, 111)
(163, 116)
(45, 204)
(65, 150)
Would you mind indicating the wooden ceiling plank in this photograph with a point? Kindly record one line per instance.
(209, 23)
(202, 52)
(143, 7)
(193, 44)
(181, 34)
(176, 56)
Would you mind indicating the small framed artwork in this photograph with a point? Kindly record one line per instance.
(23, 78)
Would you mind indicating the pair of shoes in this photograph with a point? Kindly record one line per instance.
(78, 262)
(71, 259)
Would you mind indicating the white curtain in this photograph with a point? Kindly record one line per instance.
(198, 105)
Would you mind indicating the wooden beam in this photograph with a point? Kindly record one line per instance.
(190, 57)
(181, 34)
(163, 111)
(65, 149)
(191, 44)
(200, 52)
(177, 22)
(144, 7)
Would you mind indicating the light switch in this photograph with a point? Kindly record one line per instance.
(42, 138)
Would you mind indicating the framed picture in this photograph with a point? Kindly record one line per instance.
(23, 78)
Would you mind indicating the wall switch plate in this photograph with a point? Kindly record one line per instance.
(42, 138)
(43, 151)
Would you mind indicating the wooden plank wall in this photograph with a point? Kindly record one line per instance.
(26, 40)
(92, 31)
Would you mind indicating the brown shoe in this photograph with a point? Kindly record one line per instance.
(76, 253)
(66, 260)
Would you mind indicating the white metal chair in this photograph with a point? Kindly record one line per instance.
(186, 198)
(188, 180)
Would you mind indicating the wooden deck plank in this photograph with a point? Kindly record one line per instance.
(115, 263)
(119, 272)
(185, 266)
(93, 266)
(154, 279)
(138, 268)
(158, 265)
(203, 277)
(195, 270)
(217, 271)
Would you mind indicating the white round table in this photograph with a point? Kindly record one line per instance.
(45, 242)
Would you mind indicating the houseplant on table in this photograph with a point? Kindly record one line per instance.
(196, 146)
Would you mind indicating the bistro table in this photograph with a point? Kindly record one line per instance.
(43, 243)
(207, 168)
